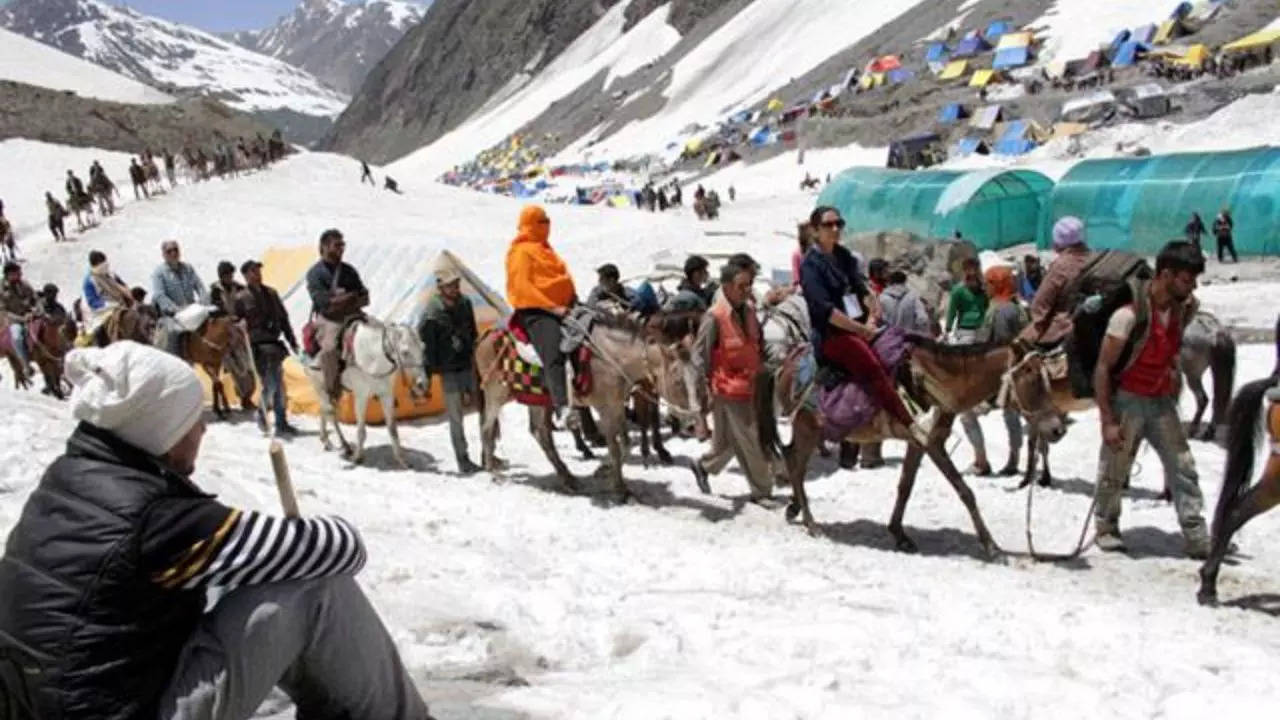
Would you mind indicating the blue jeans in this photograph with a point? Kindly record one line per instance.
(18, 335)
(269, 362)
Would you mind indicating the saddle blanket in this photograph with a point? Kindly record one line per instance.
(522, 371)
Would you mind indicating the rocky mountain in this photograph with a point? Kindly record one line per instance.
(335, 41)
(180, 60)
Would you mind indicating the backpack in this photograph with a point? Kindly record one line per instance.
(1117, 278)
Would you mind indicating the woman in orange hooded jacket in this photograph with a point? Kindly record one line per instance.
(541, 292)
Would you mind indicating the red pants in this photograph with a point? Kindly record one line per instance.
(863, 365)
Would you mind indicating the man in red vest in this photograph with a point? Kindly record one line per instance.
(729, 352)
(1136, 386)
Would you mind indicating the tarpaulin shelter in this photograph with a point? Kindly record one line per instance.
(954, 69)
(1068, 129)
(1120, 39)
(996, 29)
(1145, 101)
(994, 208)
(884, 64)
(937, 52)
(871, 80)
(1202, 13)
(1019, 138)
(1139, 204)
(899, 76)
(1013, 57)
(912, 151)
(1129, 53)
(850, 77)
(1195, 56)
(953, 112)
(971, 45)
(1093, 107)
(761, 136)
(966, 146)
(1015, 40)
(1169, 30)
(987, 117)
(1144, 34)
(401, 280)
(1256, 41)
(983, 78)
(774, 105)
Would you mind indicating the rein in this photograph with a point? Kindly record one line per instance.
(633, 384)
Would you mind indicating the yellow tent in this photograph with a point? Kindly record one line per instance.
(954, 69)
(1256, 41)
(401, 280)
(774, 105)
(1015, 40)
(1166, 32)
(693, 146)
(1195, 56)
(982, 78)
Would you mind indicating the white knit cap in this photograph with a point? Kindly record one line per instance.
(144, 396)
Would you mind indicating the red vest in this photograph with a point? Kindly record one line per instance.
(1150, 373)
(736, 357)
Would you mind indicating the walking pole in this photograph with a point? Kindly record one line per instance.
(284, 484)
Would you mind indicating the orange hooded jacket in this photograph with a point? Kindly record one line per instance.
(536, 276)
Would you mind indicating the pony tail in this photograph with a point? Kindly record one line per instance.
(766, 417)
(1222, 361)
(1245, 428)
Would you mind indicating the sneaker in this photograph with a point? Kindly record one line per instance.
(466, 467)
(1197, 547)
(1110, 541)
(286, 430)
(700, 477)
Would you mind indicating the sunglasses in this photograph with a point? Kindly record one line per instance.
(833, 224)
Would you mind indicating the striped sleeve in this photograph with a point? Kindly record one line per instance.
(250, 548)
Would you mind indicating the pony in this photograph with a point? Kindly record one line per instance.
(953, 379)
(21, 379)
(1239, 502)
(623, 357)
(379, 352)
(48, 341)
(217, 343)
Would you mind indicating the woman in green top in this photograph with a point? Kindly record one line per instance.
(967, 306)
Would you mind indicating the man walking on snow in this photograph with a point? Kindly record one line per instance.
(1136, 386)
(105, 575)
(729, 351)
(266, 320)
(174, 286)
(448, 332)
(337, 297)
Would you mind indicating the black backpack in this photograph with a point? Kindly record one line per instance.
(1118, 278)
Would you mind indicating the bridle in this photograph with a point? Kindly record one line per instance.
(1009, 396)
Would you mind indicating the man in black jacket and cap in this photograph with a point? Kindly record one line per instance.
(265, 318)
(448, 332)
(104, 577)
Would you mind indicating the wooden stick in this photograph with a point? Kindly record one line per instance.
(280, 466)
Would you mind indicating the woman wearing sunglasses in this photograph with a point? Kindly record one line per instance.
(844, 312)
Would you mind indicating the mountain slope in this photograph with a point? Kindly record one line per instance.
(27, 61)
(172, 57)
(335, 41)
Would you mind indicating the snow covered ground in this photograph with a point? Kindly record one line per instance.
(45, 167)
(27, 61)
(692, 606)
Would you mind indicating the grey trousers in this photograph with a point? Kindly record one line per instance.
(318, 640)
(735, 433)
(455, 383)
(973, 431)
(1156, 421)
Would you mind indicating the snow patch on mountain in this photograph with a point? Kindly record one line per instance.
(30, 62)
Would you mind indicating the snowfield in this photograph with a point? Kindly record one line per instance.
(27, 61)
(512, 600)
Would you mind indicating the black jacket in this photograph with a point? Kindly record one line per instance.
(320, 286)
(265, 315)
(86, 630)
(825, 280)
(448, 335)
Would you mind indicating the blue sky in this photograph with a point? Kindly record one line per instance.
(216, 15)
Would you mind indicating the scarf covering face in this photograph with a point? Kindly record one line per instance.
(536, 276)
(1000, 283)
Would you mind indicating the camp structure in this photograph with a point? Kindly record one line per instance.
(1168, 31)
(1063, 130)
(987, 117)
(996, 30)
(936, 52)
(915, 151)
(995, 208)
(1145, 101)
(884, 64)
(1139, 204)
(1145, 34)
(952, 113)
(970, 145)
(1020, 137)
(983, 78)
(971, 45)
(899, 76)
(401, 280)
(1129, 53)
(954, 70)
(1095, 107)
(1260, 41)
(1194, 57)
(774, 105)
(1194, 16)
(1014, 51)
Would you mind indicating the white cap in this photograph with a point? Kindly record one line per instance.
(146, 397)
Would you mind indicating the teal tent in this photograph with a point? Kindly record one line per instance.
(1139, 204)
(993, 208)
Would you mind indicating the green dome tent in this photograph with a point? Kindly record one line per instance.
(1139, 204)
(993, 209)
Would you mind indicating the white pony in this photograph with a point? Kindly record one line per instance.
(379, 353)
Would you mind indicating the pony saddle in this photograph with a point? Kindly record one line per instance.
(844, 402)
(523, 366)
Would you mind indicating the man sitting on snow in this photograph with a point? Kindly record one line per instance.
(104, 577)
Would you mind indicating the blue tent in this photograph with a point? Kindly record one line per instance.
(1144, 34)
(951, 113)
(741, 116)
(1180, 12)
(1014, 141)
(1128, 53)
(762, 136)
(971, 45)
(968, 146)
(899, 76)
(937, 53)
(1117, 43)
(1011, 58)
(996, 29)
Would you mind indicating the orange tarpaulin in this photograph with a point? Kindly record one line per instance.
(884, 64)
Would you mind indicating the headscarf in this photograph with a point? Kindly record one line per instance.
(1067, 233)
(1000, 283)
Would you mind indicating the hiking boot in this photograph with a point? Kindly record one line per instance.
(1110, 541)
(1198, 545)
(466, 467)
(286, 430)
(849, 453)
(700, 477)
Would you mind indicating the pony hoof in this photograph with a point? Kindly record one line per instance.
(666, 459)
(792, 512)
(907, 545)
(1207, 597)
(1046, 481)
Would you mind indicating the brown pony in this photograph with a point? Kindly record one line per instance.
(954, 379)
(48, 341)
(211, 347)
(1239, 502)
(21, 381)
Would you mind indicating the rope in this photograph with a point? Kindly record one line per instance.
(656, 399)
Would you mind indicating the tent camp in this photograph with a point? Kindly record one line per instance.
(401, 279)
(1194, 57)
(1013, 57)
(1201, 13)
(1145, 101)
(937, 52)
(954, 70)
(983, 78)
(1126, 202)
(1095, 107)
(972, 44)
(996, 29)
(1129, 53)
(1256, 42)
(951, 113)
(996, 208)
(967, 146)
(987, 117)
(884, 64)
(1019, 138)
(914, 151)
